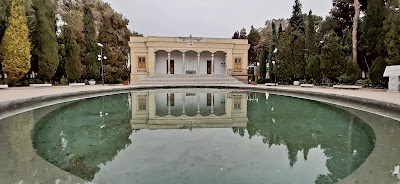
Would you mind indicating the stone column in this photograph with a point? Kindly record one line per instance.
(184, 102)
(226, 68)
(212, 103)
(169, 63)
(198, 103)
(198, 64)
(169, 103)
(183, 64)
(212, 63)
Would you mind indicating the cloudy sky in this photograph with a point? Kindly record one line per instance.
(207, 18)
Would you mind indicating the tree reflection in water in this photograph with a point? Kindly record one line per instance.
(302, 125)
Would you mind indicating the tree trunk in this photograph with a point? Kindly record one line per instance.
(355, 28)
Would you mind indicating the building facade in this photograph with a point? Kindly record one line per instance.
(188, 55)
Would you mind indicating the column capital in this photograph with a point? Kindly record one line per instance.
(183, 54)
(212, 55)
(169, 53)
(198, 54)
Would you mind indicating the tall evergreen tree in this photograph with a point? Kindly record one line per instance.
(310, 44)
(90, 44)
(4, 13)
(297, 20)
(46, 47)
(272, 48)
(15, 46)
(235, 35)
(243, 34)
(72, 61)
(392, 38)
(333, 64)
(254, 39)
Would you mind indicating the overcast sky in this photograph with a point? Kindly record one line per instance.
(207, 18)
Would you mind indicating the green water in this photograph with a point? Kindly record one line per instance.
(232, 137)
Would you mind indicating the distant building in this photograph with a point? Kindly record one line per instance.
(188, 55)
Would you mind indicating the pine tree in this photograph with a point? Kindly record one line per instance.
(333, 64)
(310, 43)
(90, 44)
(297, 20)
(15, 46)
(45, 39)
(372, 37)
(243, 34)
(72, 61)
(235, 35)
(392, 38)
(254, 39)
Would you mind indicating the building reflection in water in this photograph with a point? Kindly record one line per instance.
(184, 109)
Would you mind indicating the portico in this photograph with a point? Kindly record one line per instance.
(188, 55)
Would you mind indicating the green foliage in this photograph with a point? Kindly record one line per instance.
(310, 42)
(4, 13)
(243, 34)
(284, 63)
(273, 46)
(392, 39)
(45, 40)
(332, 63)
(15, 46)
(262, 57)
(263, 80)
(90, 44)
(297, 20)
(313, 70)
(372, 37)
(377, 70)
(352, 74)
(63, 81)
(72, 62)
(235, 35)
(254, 39)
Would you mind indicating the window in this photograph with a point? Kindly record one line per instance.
(171, 99)
(237, 102)
(142, 104)
(141, 62)
(209, 98)
(238, 63)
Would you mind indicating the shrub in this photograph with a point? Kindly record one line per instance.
(352, 74)
(119, 81)
(64, 81)
(377, 70)
(313, 70)
(2, 82)
(263, 80)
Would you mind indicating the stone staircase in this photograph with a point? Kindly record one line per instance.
(175, 79)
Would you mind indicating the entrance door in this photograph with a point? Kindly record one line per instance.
(209, 67)
(171, 66)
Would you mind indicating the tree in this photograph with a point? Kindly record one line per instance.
(235, 35)
(254, 39)
(273, 46)
(357, 9)
(15, 46)
(392, 38)
(90, 44)
(114, 35)
(332, 63)
(4, 13)
(372, 35)
(343, 12)
(262, 57)
(243, 34)
(45, 40)
(352, 74)
(377, 70)
(297, 20)
(310, 43)
(313, 70)
(72, 61)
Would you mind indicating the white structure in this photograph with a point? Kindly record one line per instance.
(188, 55)
(185, 109)
(393, 72)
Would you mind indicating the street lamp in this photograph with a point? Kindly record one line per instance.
(100, 58)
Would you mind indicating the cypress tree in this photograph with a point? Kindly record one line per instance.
(46, 47)
(254, 39)
(310, 42)
(90, 44)
(392, 38)
(235, 35)
(15, 46)
(72, 61)
(373, 36)
(333, 64)
(4, 13)
(297, 20)
(243, 34)
(272, 56)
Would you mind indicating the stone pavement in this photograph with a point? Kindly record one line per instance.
(11, 94)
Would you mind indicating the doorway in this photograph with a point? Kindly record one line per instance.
(171, 66)
(209, 67)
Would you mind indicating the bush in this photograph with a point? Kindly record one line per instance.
(364, 83)
(352, 74)
(263, 81)
(119, 81)
(377, 70)
(2, 82)
(64, 81)
(313, 70)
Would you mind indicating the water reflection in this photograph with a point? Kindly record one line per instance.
(275, 139)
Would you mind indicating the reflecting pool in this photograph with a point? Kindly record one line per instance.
(198, 136)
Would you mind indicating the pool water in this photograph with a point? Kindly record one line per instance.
(195, 136)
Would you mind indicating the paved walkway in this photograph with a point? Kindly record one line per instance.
(11, 94)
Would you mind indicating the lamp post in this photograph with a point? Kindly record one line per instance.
(273, 63)
(100, 58)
